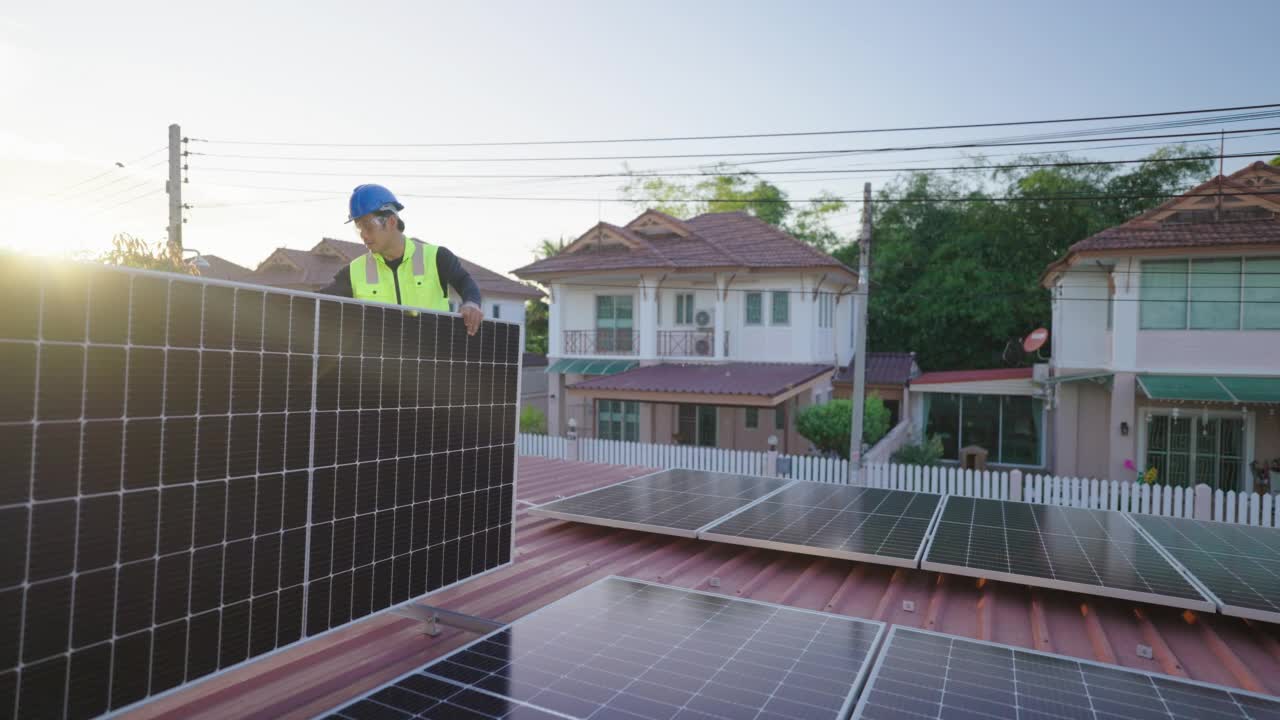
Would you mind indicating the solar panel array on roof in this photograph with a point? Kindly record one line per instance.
(923, 674)
(1091, 551)
(1238, 564)
(672, 502)
(197, 474)
(623, 648)
(841, 521)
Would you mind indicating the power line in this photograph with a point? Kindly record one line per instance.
(107, 172)
(106, 185)
(743, 136)
(129, 201)
(831, 171)
(771, 153)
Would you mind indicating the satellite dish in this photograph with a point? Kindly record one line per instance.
(1035, 340)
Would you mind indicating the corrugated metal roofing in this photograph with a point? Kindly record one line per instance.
(556, 558)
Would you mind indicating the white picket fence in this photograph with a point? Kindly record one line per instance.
(1124, 496)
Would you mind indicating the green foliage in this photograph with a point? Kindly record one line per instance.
(724, 192)
(536, 312)
(827, 426)
(129, 251)
(1276, 161)
(812, 223)
(928, 452)
(956, 281)
(532, 420)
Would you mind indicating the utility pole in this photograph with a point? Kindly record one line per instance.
(860, 341)
(174, 188)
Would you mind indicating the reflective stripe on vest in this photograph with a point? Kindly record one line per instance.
(417, 277)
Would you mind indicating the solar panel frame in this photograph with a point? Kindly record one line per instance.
(856, 686)
(1203, 604)
(547, 509)
(175, 339)
(1187, 557)
(885, 655)
(710, 533)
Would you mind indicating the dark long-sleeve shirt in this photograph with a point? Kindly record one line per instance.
(449, 268)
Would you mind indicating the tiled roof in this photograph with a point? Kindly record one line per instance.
(490, 282)
(555, 558)
(883, 368)
(303, 269)
(963, 376)
(734, 239)
(221, 269)
(735, 378)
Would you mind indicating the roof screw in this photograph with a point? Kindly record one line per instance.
(1144, 651)
(713, 581)
(909, 605)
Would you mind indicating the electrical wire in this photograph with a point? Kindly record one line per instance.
(742, 136)
(140, 158)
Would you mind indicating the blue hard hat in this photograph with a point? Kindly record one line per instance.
(371, 198)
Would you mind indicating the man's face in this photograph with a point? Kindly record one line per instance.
(377, 232)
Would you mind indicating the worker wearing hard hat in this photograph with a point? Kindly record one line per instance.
(398, 269)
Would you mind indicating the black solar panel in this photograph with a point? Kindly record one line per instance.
(627, 649)
(1238, 564)
(921, 674)
(840, 521)
(1091, 551)
(195, 476)
(673, 502)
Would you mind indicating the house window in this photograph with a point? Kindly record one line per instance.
(755, 308)
(781, 308)
(696, 425)
(1211, 294)
(497, 311)
(1008, 427)
(618, 420)
(684, 309)
(1191, 450)
(1262, 294)
(753, 418)
(614, 324)
(826, 310)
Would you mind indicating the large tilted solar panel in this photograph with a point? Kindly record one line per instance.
(1238, 564)
(672, 502)
(161, 474)
(921, 674)
(623, 648)
(840, 521)
(1090, 551)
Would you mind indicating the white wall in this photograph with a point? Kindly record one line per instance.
(509, 308)
(1080, 319)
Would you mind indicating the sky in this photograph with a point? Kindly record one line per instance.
(85, 85)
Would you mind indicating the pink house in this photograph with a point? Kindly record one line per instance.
(1166, 341)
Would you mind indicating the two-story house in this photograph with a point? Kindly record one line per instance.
(1166, 342)
(709, 331)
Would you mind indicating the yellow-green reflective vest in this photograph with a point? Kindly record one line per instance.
(415, 283)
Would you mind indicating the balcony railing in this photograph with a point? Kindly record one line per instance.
(686, 343)
(601, 341)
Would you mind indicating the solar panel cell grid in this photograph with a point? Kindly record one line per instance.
(921, 674)
(626, 649)
(1239, 564)
(1092, 551)
(162, 442)
(857, 523)
(676, 502)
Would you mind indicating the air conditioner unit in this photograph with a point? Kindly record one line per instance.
(704, 318)
(702, 347)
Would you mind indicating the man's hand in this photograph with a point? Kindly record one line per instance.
(471, 317)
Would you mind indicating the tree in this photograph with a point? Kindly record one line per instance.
(129, 251)
(1276, 161)
(532, 420)
(956, 281)
(536, 312)
(721, 192)
(828, 425)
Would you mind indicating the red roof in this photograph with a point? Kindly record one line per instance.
(963, 376)
(489, 282)
(555, 558)
(883, 368)
(222, 269)
(734, 239)
(735, 378)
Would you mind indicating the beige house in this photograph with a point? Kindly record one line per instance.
(1166, 342)
(715, 330)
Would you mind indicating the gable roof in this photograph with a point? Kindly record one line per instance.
(489, 282)
(658, 241)
(301, 269)
(223, 269)
(1242, 209)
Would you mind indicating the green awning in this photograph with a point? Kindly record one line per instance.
(583, 366)
(1211, 388)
